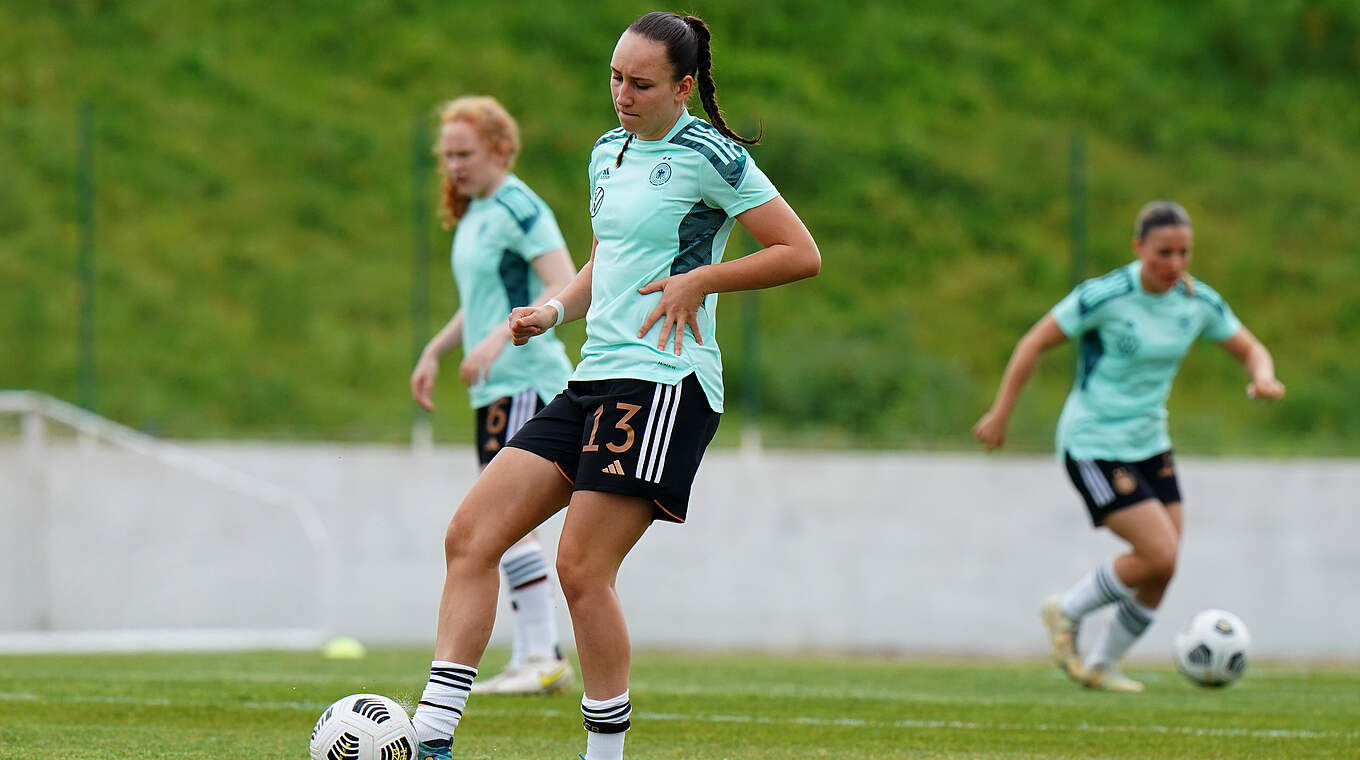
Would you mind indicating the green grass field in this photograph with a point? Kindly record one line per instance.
(254, 202)
(262, 705)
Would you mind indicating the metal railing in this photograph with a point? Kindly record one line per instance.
(35, 409)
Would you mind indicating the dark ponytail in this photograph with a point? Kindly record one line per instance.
(687, 46)
(708, 89)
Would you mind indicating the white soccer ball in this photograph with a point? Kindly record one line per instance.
(1213, 650)
(364, 727)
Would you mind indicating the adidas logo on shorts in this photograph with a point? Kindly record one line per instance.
(615, 468)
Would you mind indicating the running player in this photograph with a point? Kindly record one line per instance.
(507, 253)
(1135, 325)
(624, 441)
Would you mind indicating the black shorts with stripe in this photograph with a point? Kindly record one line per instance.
(498, 421)
(630, 437)
(1109, 486)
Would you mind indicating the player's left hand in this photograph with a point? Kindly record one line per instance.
(681, 297)
(1265, 389)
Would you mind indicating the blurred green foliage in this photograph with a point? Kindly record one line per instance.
(254, 193)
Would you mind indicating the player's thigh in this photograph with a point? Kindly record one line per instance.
(516, 492)
(598, 532)
(1159, 472)
(1147, 527)
(1176, 513)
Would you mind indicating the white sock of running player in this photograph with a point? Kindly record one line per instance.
(526, 571)
(606, 720)
(1131, 619)
(441, 706)
(1095, 589)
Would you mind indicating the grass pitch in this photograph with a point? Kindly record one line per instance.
(698, 707)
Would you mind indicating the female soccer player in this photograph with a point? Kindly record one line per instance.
(1135, 325)
(624, 441)
(507, 250)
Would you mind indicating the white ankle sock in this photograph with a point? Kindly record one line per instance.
(607, 720)
(441, 706)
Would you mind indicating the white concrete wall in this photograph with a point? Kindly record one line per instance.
(836, 551)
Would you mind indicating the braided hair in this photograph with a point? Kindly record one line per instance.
(687, 41)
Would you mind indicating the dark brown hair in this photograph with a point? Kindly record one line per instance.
(687, 47)
(1156, 214)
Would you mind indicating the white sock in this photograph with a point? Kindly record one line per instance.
(1129, 623)
(1095, 589)
(535, 622)
(535, 619)
(606, 720)
(441, 706)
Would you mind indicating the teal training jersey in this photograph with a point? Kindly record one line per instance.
(667, 209)
(493, 246)
(1132, 343)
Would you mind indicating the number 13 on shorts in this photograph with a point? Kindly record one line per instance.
(621, 423)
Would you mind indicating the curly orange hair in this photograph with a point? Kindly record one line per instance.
(494, 124)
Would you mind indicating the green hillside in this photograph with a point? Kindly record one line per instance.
(254, 200)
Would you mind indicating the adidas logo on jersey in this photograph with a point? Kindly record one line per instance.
(615, 468)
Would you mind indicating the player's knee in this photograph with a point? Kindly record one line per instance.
(462, 545)
(574, 573)
(1161, 561)
(569, 576)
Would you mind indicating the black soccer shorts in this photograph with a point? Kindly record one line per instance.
(498, 421)
(1109, 486)
(624, 436)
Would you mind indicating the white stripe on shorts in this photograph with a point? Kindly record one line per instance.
(647, 432)
(1095, 482)
(670, 427)
(656, 439)
(521, 410)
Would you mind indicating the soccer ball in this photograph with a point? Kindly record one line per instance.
(364, 727)
(1213, 650)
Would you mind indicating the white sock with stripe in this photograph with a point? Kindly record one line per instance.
(526, 573)
(1130, 621)
(441, 706)
(1094, 590)
(606, 720)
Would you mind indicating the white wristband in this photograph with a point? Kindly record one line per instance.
(556, 304)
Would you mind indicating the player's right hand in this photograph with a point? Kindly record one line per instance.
(422, 381)
(990, 430)
(528, 321)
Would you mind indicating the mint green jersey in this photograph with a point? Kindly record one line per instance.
(493, 246)
(666, 210)
(1132, 343)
